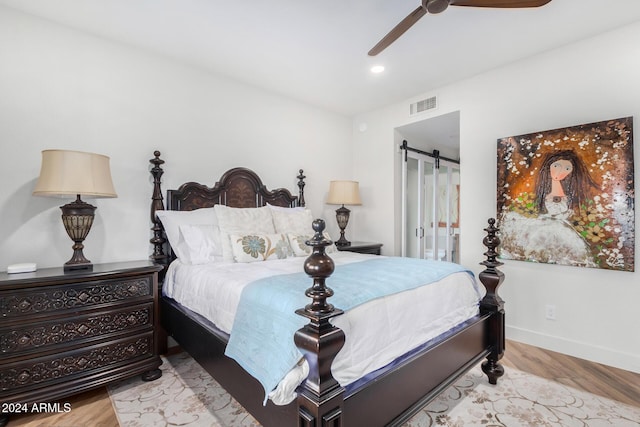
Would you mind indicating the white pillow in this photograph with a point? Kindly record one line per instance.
(282, 208)
(200, 244)
(242, 221)
(259, 247)
(293, 221)
(300, 248)
(172, 220)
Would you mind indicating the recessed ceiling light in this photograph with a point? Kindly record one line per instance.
(376, 69)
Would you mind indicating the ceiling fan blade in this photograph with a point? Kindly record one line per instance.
(499, 3)
(398, 30)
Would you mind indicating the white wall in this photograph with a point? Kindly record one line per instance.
(589, 81)
(60, 88)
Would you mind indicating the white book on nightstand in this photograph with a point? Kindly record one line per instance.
(24, 267)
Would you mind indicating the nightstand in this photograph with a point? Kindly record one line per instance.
(362, 248)
(64, 333)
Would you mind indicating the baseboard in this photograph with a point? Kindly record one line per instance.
(605, 356)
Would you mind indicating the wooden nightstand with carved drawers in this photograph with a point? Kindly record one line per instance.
(64, 333)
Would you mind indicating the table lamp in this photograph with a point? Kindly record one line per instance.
(75, 173)
(343, 193)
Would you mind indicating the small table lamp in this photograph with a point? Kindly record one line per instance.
(69, 173)
(343, 193)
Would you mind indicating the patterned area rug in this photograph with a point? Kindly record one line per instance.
(186, 395)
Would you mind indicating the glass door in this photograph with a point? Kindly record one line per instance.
(411, 229)
(430, 208)
(444, 224)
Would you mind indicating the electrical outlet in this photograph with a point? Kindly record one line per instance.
(550, 312)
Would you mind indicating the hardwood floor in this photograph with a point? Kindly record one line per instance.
(93, 409)
(601, 380)
(90, 409)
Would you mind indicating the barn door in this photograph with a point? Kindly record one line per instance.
(430, 207)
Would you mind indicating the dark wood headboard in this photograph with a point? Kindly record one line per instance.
(237, 188)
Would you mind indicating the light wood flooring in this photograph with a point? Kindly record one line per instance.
(93, 409)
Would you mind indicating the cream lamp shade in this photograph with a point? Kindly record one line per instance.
(71, 173)
(75, 173)
(344, 193)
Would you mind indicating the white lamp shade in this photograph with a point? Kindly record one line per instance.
(344, 193)
(65, 172)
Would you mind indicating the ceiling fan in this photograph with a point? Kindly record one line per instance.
(437, 6)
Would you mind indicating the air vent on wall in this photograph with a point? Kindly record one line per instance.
(423, 105)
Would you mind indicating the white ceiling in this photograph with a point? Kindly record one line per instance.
(316, 51)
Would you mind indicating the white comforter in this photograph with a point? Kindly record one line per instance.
(416, 316)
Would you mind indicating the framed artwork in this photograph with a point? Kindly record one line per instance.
(566, 196)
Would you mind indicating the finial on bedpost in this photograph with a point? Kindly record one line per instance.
(301, 185)
(492, 304)
(491, 277)
(319, 266)
(158, 240)
(320, 398)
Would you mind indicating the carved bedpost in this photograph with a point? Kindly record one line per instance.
(492, 278)
(158, 240)
(321, 397)
(301, 184)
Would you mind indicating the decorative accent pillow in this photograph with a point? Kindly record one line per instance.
(172, 220)
(293, 221)
(259, 247)
(242, 221)
(200, 244)
(300, 248)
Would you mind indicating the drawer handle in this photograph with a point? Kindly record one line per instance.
(24, 339)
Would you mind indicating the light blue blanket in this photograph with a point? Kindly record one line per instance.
(262, 335)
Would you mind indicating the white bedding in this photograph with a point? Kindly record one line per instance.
(376, 332)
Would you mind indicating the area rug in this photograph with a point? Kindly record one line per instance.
(186, 395)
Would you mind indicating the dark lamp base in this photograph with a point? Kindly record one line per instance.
(342, 242)
(77, 218)
(342, 216)
(69, 266)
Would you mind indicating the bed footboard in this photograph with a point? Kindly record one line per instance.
(321, 399)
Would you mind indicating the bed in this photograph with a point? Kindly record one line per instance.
(391, 394)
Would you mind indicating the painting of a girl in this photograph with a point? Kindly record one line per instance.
(562, 184)
(564, 196)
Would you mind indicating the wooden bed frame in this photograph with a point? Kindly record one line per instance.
(394, 396)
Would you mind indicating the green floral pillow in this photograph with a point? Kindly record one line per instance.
(300, 248)
(259, 247)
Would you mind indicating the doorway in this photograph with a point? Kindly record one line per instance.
(430, 189)
(431, 206)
